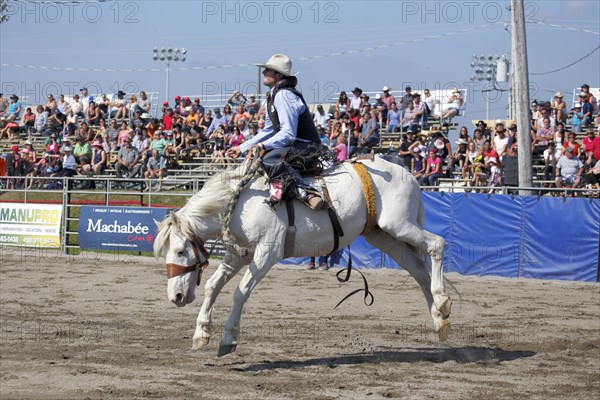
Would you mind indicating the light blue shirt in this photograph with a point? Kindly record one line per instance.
(216, 122)
(289, 108)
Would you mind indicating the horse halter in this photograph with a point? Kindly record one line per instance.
(174, 270)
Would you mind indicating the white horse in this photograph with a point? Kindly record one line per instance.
(260, 233)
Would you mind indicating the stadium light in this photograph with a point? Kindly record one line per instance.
(168, 54)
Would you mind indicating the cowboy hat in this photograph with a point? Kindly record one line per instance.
(461, 141)
(386, 89)
(279, 63)
(559, 94)
(456, 90)
(357, 89)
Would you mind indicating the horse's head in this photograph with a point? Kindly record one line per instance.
(185, 257)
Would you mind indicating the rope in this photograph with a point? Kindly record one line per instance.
(252, 163)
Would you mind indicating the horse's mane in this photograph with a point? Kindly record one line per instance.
(209, 203)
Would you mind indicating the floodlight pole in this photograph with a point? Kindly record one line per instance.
(169, 54)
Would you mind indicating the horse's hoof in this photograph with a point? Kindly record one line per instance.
(225, 349)
(445, 306)
(200, 342)
(443, 329)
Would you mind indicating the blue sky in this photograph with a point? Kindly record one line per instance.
(121, 35)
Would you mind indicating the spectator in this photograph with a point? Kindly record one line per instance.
(410, 121)
(591, 145)
(571, 142)
(28, 119)
(405, 153)
(9, 128)
(568, 169)
(335, 133)
(586, 109)
(199, 108)
(218, 121)
(170, 145)
(592, 177)
(535, 111)
(560, 135)
(585, 89)
(158, 142)
(101, 131)
(68, 169)
(103, 104)
(155, 168)
(354, 136)
(253, 106)
(460, 158)
(118, 107)
(228, 114)
(551, 156)
(242, 115)
(429, 101)
(112, 134)
(205, 122)
(139, 120)
(144, 104)
(342, 105)
(488, 151)
(500, 140)
(237, 98)
(82, 151)
(463, 133)
(13, 111)
(478, 138)
(543, 135)
(433, 170)
(132, 107)
(76, 106)
(86, 99)
(321, 118)
(71, 122)
(51, 102)
(52, 144)
(406, 98)
(236, 138)
(540, 121)
(41, 120)
(513, 143)
(365, 106)
(387, 98)
(495, 178)
(99, 158)
(85, 131)
(559, 107)
(393, 118)
(341, 149)
(3, 105)
(356, 101)
(485, 132)
(478, 167)
(576, 118)
(127, 161)
(369, 136)
(417, 164)
(140, 142)
(455, 103)
(421, 109)
(62, 104)
(124, 133)
(93, 114)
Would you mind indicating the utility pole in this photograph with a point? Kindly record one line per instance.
(521, 94)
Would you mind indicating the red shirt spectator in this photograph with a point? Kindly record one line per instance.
(592, 144)
(168, 120)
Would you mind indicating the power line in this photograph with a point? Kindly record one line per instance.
(315, 57)
(566, 66)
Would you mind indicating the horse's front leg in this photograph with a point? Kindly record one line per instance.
(229, 267)
(264, 258)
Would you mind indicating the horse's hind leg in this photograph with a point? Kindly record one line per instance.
(434, 247)
(407, 256)
(230, 266)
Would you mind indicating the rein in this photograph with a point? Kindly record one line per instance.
(198, 248)
(369, 298)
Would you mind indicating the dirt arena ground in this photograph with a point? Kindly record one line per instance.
(98, 327)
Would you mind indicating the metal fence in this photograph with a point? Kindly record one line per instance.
(130, 192)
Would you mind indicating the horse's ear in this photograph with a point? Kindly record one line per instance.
(156, 222)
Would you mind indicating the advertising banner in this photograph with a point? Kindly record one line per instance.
(31, 225)
(119, 228)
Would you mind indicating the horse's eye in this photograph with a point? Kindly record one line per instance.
(180, 253)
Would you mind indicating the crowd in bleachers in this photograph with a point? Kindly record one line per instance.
(87, 136)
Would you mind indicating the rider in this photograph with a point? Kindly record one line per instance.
(289, 133)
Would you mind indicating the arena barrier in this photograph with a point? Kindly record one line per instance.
(503, 235)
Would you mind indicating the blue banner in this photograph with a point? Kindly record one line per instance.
(119, 228)
(509, 236)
